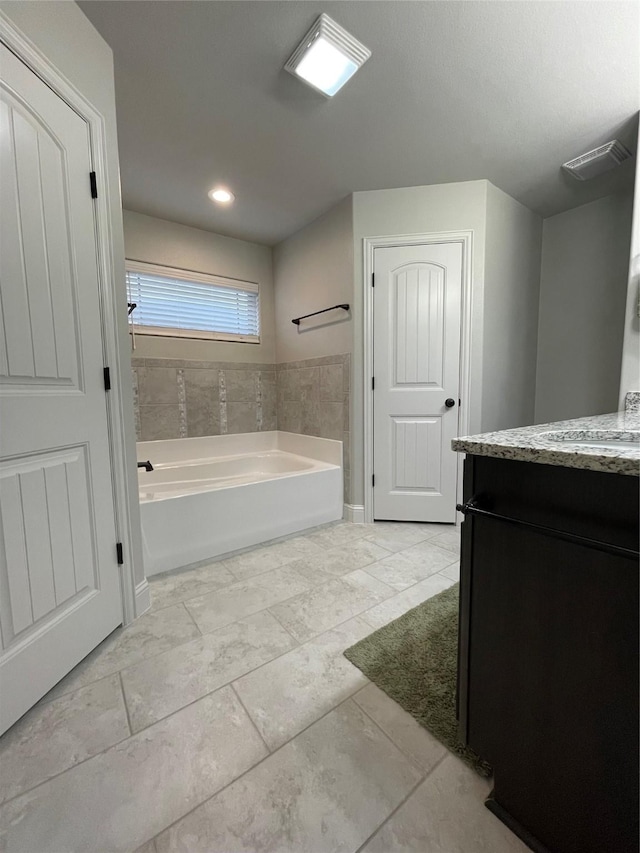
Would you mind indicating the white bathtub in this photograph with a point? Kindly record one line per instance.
(209, 496)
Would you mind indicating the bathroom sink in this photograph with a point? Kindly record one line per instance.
(612, 439)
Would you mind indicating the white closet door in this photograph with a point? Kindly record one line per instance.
(59, 578)
(417, 306)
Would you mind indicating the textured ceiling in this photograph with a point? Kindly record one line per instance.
(454, 91)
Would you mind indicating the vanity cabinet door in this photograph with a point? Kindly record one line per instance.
(548, 689)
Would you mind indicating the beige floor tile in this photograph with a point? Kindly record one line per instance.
(285, 696)
(151, 634)
(419, 745)
(178, 586)
(167, 682)
(260, 560)
(391, 609)
(339, 534)
(149, 847)
(452, 571)
(449, 539)
(342, 559)
(241, 599)
(396, 535)
(119, 799)
(426, 553)
(420, 526)
(54, 736)
(326, 606)
(254, 562)
(404, 569)
(446, 815)
(296, 548)
(325, 791)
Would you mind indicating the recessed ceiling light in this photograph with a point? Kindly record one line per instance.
(327, 56)
(221, 195)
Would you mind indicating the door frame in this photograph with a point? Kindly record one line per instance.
(134, 599)
(369, 245)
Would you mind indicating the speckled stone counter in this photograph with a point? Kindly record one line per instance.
(632, 402)
(555, 443)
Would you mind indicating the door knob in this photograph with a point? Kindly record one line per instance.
(449, 402)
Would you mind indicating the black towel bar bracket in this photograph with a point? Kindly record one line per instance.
(345, 307)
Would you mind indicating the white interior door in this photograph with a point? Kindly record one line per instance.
(416, 358)
(59, 577)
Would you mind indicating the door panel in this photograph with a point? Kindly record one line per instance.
(45, 494)
(39, 306)
(59, 578)
(417, 303)
(417, 324)
(417, 444)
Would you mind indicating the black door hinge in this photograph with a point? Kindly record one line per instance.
(107, 378)
(373, 480)
(373, 279)
(119, 553)
(373, 383)
(94, 185)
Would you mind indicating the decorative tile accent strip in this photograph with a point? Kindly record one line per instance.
(182, 403)
(258, 380)
(136, 401)
(222, 387)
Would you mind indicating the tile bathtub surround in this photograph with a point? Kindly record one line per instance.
(257, 734)
(177, 398)
(313, 399)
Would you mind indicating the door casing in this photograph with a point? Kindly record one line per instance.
(135, 599)
(465, 238)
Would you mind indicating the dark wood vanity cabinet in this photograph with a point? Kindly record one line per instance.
(548, 653)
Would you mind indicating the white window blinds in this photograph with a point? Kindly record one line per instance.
(180, 303)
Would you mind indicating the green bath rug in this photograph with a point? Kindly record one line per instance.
(414, 660)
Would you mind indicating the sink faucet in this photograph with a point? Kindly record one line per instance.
(146, 465)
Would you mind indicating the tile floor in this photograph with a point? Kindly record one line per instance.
(227, 718)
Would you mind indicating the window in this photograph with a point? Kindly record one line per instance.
(185, 304)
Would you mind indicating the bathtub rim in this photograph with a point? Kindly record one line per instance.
(182, 449)
(317, 465)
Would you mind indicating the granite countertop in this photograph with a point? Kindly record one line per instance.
(549, 444)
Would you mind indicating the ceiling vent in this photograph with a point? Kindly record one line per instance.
(595, 162)
(327, 57)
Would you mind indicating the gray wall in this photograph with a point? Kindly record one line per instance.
(313, 270)
(158, 241)
(63, 34)
(510, 316)
(630, 372)
(585, 259)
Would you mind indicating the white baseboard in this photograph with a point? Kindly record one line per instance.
(143, 598)
(354, 513)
